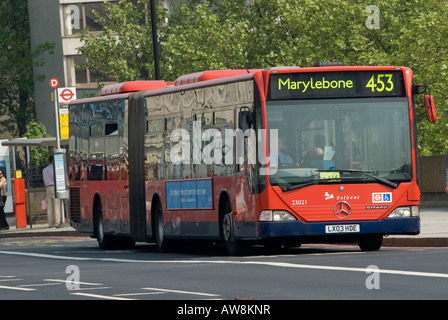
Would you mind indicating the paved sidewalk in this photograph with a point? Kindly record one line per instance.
(39, 230)
(434, 231)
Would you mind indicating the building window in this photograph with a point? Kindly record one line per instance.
(80, 16)
(81, 77)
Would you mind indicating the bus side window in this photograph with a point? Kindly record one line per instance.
(224, 121)
(111, 129)
(206, 120)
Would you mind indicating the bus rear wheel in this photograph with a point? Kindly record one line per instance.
(104, 241)
(370, 242)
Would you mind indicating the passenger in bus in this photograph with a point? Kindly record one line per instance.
(317, 151)
(281, 158)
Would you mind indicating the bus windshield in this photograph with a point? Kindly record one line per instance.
(361, 140)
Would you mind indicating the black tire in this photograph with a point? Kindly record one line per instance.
(272, 246)
(105, 241)
(234, 247)
(370, 242)
(163, 244)
(124, 242)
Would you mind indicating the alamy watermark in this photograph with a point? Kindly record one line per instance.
(210, 147)
(72, 281)
(73, 17)
(373, 20)
(373, 280)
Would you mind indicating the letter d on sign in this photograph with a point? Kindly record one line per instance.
(72, 281)
(54, 83)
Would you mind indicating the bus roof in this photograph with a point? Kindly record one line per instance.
(133, 86)
(211, 75)
(152, 85)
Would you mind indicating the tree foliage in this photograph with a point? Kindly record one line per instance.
(122, 51)
(221, 34)
(38, 155)
(16, 67)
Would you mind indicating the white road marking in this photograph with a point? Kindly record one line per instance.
(40, 255)
(183, 292)
(38, 285)
(136, 294)
(4, 280)
(65, 281)
(16, 288)
(263, 263)
(99, 296)
(88, 289)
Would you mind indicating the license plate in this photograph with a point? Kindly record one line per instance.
(342, 228)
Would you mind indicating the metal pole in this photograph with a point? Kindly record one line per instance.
(155, 42)
(56, 119)
(27, 187)
(58, 147)
(14, 167)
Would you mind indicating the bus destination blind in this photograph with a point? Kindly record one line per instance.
(336, 84)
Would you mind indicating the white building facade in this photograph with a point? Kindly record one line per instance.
(61, 22)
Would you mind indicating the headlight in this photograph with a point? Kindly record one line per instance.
(405, 212)
(276, 215)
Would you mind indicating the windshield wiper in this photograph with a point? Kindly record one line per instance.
(337, 179)
(306, 184)
(366, 173)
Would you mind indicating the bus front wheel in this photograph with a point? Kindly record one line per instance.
(370, 242)
(234, 247)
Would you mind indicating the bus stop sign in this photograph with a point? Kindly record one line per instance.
(54, 83)
(65, 95)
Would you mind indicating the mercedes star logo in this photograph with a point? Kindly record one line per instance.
(342, 209)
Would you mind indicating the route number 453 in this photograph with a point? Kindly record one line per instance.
(381, 82)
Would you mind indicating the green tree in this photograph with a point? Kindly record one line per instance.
(221, 34)
(204, 38)
(16, 67)
(38, 155)
(123, 50)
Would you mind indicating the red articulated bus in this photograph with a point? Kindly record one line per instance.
(280, 156)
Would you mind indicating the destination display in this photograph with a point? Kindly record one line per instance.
(336, 84)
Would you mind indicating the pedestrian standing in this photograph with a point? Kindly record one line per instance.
(53, 204)
(3, 196)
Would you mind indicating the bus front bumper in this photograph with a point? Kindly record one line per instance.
(385, 226)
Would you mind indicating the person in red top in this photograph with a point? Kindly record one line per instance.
(3, 195)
